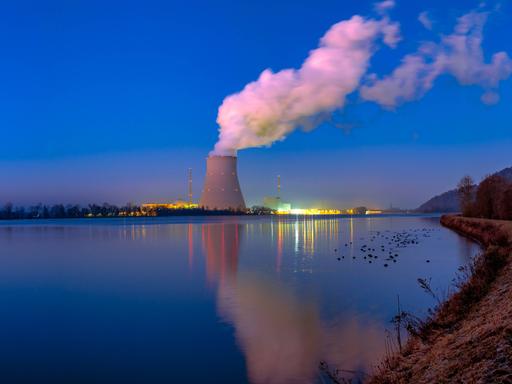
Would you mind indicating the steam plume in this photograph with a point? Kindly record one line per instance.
(269, 108)
(424, 19)
(458, 54)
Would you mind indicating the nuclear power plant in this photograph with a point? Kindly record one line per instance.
(221, 186)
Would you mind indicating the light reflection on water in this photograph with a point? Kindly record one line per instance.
(256, 300)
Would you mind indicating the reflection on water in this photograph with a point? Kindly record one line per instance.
(220, 243)
(283, 337)
(282, 333)
(280, 336)
(259, 300)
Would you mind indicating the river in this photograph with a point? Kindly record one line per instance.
(213, 299)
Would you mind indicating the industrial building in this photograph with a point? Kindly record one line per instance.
(221, 187)
(276, 203)
(151, 208)
(178, 204)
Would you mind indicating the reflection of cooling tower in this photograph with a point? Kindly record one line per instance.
(221, 243)
(221, 187)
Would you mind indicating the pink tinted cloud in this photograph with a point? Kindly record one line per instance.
(269, 108)
(458, 54)
(425, 20)
(384, 6)
(276, 104)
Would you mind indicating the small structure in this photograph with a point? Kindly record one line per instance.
(150, 209)
(276, 203)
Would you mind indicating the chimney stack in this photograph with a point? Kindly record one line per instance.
(190, 185)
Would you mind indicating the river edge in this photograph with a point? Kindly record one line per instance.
(468, 339)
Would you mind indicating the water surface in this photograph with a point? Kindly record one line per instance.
(224, 300)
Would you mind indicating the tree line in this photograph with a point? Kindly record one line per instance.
(75, 211)
(491, 199)
(70, 211)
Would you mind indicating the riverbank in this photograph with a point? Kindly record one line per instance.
(469, 337)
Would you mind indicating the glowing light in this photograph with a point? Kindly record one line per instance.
(308, 211)
(150, 208)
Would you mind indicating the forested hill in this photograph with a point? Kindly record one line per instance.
(449, 202)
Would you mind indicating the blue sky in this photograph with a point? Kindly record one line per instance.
(113, 101)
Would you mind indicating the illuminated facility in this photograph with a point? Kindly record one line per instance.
(178, 204)
(222, 191)
(275, 202)
(280, 207)
(308, 211)
(150, 209)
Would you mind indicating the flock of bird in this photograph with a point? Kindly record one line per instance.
(386, 245)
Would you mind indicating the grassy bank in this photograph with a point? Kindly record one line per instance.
(468, 338)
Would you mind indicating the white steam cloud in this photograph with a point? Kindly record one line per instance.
(384, 6)
(269, 108)
(458, 54)
(424, 19)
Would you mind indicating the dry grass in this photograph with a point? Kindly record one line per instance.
(469, 338)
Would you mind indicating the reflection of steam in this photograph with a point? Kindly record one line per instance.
(281, 335)
(284, 339)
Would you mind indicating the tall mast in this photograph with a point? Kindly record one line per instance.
(190, 185)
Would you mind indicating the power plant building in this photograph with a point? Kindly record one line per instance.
(221, 186)
(276, 204)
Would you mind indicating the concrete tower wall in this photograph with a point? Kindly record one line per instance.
(221, 186)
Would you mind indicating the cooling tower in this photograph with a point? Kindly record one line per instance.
(221, 187)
